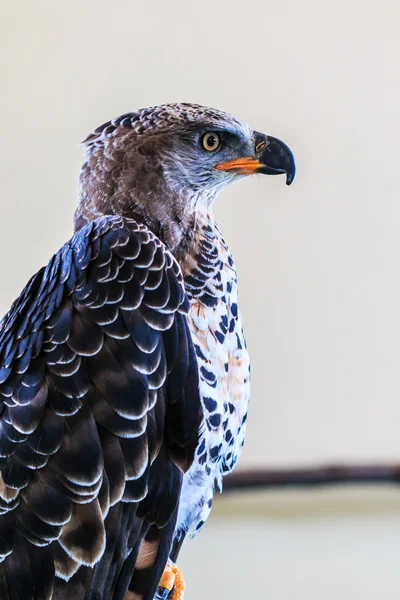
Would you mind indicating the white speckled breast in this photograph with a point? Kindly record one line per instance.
(215, 322)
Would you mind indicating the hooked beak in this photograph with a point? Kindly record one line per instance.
(273, 159)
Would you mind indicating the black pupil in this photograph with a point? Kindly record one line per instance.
(211, 140)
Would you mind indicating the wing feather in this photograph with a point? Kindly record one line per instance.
(99, 416)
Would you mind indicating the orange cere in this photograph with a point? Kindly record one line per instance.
(246, 166)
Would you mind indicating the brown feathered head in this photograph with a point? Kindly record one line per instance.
(162, 165)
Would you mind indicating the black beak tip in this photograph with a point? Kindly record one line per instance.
(290, 175)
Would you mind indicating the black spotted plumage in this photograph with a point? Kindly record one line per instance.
(99, 415)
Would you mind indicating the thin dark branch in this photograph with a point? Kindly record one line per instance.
(312, 477)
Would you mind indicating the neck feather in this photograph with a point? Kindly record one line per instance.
(117, 180)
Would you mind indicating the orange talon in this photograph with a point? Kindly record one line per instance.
(179, 585)
(172, 580)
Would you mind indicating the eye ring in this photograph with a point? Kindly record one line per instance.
(211, 141)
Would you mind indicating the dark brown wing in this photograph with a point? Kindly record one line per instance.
(99, 417)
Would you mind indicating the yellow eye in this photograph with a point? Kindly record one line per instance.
(211, 141)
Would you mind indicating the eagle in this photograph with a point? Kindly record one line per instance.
(124, 373)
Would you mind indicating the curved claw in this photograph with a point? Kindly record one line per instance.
(172, 584)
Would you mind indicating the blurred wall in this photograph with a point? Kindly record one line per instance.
(318, 262)
(322, 545)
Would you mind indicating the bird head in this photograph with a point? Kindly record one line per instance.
(163, 165)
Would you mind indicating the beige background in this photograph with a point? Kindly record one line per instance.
(318, 262)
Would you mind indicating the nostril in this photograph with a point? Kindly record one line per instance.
(260, 146)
